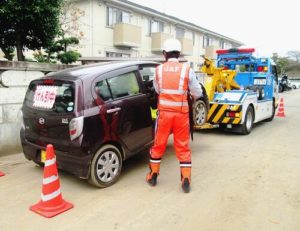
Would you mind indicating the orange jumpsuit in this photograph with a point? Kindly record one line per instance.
(172, 83)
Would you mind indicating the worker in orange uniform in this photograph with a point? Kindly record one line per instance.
(172, 82)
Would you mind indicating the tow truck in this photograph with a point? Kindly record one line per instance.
(242, 90)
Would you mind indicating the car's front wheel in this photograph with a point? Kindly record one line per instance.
(106, 166)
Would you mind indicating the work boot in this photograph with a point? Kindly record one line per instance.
(185, 185)
(151, 177)
(186, 179)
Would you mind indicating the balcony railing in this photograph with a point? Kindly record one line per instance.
(127, 35)
(186, 46)
(158, 40)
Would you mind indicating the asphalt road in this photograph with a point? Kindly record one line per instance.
(238, 183)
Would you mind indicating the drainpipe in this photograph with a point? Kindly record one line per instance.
(92, 27)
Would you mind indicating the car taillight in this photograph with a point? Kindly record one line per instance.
(48, 81)
(75, 127)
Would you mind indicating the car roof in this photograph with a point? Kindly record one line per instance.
(86, 71)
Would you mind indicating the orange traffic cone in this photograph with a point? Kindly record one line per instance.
(280, 112)
(51, 203)
(2, 174)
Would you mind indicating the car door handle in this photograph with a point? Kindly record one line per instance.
(109, 111)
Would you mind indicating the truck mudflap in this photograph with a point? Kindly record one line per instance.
(224, 113)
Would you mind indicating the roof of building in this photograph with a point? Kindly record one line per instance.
(171, 18)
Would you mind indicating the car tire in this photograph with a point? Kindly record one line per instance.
(40, 164)
(199, 113)
(248, 122)
(106, 166)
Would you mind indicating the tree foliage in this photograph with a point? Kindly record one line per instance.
(28, 24)
(69, 36)
(294, 55)
(282, 63)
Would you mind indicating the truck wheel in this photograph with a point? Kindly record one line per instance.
(273, 113)
(199, 113)
(248, 122)
(106, 166)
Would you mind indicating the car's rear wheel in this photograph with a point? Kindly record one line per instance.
(199, 113)
(106, 166)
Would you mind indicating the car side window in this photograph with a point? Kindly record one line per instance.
(148, 73)
(124, 85)
(102, 90)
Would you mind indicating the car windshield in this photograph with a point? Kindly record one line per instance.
(55, 96)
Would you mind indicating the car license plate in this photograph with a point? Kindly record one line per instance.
(43, 156)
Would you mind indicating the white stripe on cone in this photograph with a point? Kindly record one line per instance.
(50, 179)
(50, 162)
(50, 196)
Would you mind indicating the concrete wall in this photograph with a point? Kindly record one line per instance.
(14, 80)
(12, 92)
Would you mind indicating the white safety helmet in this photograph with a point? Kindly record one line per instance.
(172, 45)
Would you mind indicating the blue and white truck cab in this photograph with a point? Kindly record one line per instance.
(243, 89)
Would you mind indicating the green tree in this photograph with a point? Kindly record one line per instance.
(69, 36)
(68, 56)
(28, 24)
(294, 55)
(282, 63)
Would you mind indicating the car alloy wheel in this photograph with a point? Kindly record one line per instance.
(106, 166)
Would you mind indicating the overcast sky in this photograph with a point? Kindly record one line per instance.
(268, 26)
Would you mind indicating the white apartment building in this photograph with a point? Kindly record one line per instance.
(120, 28)
(115, 29)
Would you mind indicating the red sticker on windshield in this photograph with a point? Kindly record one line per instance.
(44, 96)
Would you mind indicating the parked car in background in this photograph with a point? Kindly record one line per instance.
(295, 84)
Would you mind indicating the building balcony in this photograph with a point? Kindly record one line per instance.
(210, 52)
(127, 35)
(186, 46)
(158, 40)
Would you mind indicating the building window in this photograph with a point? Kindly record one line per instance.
(114, 15)
(194, 38)
(156, 26)
(221, 44)
(116, 55)
(207, 41)
(179, 32)
(147, 26)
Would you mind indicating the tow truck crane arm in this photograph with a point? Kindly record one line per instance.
(218, 79)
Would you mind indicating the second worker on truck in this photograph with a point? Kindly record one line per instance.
(172, 82)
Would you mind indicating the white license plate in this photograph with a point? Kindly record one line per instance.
(260, 81)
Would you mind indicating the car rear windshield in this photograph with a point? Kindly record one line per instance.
(51, 95)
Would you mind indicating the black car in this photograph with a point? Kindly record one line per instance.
(95, 116)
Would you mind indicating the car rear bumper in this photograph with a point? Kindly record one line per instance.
(78, 164)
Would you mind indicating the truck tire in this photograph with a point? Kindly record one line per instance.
(106, 166)
(199, 113)
(248, 122)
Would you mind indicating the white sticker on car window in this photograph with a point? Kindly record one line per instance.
(44, 96)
